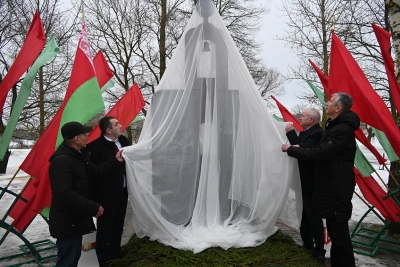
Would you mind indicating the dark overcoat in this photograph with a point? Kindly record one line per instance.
(333, 170)
(72, 207)
(108, 188)
(307, 138)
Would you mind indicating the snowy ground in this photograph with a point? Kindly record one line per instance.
(38, 230)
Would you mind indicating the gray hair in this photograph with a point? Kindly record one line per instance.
(344, 100)
(314, 114)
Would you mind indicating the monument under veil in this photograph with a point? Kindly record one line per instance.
(207, 170)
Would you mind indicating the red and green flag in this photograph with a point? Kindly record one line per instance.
(364, 140)
(287, 116)
(347, 76)
(82, 101)
(359, 133)
(50, 51)
(318, 93)
(362, 163)
(277, 118)
(377, 197)
(31, 48)
(383, 38)
(323, 78)
(385, 145)
(125, 110)
(103, 71)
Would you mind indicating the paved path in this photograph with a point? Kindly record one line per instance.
(382, 257)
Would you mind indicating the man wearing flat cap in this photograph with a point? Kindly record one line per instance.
(72, 209)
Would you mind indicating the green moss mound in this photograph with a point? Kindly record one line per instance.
(278, 250)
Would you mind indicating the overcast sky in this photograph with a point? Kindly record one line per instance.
(275, 53)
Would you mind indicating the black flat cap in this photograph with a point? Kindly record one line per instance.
(74, 128)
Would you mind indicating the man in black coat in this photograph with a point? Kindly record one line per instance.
(311, 226)
(334, 174)
(72, 209)
(111, 193)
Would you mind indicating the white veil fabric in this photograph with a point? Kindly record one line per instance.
(208, 170)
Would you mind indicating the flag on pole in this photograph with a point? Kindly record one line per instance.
(363, 164)
(287, 116)
(31, 48)
(364, 140)
(323, 78)
(346, 76)
(103, 71)
(383, 38)
(277, 118)
(375, 195)
(82, 101)
(359, 133)
(125, 110)
(318, 93)
(385, 145)
(137, 118)
(50, 51)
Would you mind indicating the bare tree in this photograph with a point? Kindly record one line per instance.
(51, 82)
(155, 30)
(138, 39)
(47, 92)
(270, 81)
(242, 19)
(309, 36)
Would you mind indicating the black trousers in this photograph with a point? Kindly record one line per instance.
(311, 227)
(109, 232)
(69, 251)
(341, 249)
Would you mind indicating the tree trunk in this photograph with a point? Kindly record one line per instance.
(129, 133)
(4, 162)
(163, 25)
(325, 55)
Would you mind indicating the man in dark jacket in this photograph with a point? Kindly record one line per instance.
(334, 174)
(72, 209)
(111, 193)
(311, 225)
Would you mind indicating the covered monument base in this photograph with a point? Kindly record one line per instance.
(208, 170)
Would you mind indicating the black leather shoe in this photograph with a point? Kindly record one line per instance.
(320, 258)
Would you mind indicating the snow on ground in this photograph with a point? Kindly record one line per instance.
(38, 230)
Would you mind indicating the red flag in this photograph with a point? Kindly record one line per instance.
(383, 38)
(323, 78)
(28, 193)
(374, 193)
(82, 101)
(103, 71)
(125, 110)
(287, 116)
(359, 133)
(30, 50)
(364, 140)
(346, 76)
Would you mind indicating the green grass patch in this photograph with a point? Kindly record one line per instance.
(279, 250)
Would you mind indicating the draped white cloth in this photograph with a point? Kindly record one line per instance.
(208, 169)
